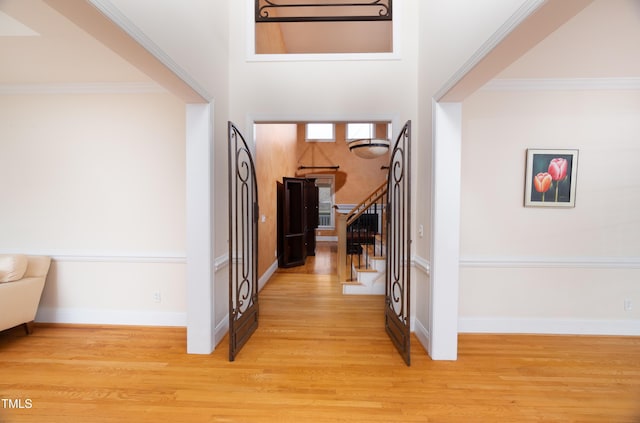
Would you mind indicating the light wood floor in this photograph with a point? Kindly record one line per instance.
(317, 356)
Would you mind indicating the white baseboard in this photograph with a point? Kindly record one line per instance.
(262, 281)
(326, 238)
(549, 326)
(422, 333)
(111, 317)
(221, 329)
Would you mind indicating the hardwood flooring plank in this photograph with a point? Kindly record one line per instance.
(317, 356)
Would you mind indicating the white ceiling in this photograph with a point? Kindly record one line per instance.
(39, 46)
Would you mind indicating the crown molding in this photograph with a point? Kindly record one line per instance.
(562, 84)
(527, 9)
(83, 88)
(117, 17)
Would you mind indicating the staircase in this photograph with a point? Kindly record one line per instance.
(361, 246)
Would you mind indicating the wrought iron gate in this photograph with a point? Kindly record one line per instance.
(397, 316)
(243, 243)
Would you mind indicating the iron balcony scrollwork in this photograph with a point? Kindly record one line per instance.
(283, 11)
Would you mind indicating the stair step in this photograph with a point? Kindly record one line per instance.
(356, 283)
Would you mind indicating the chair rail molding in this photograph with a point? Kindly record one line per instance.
(550, 262)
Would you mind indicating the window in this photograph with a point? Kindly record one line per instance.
(321, 132)
(326, 215)
(356, 131)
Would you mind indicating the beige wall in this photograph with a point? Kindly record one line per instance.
(98, 182)
(522, 266)
(274, 159)
(356, 177)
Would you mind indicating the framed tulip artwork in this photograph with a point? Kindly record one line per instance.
(551, 178)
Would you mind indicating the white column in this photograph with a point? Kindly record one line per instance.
(445, 241)
(200, 304)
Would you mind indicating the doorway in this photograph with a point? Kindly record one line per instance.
(344, 177)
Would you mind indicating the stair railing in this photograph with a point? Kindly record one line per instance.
(361, 234)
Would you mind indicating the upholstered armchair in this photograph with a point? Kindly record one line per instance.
(22, 280)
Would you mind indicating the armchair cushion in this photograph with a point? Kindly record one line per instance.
(12, 267)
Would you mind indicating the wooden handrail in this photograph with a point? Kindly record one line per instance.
(357, 211)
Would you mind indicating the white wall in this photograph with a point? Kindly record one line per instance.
(98, 182)
(195, 35)
(322, 89)
(542, 269)
(450, 32)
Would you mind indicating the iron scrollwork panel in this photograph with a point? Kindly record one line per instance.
(243, 243)
(331, 11)
(398, 275)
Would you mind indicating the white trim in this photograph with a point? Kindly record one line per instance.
(119, 259)
(549, 326)
(120, 20)
(551, 262)
(562, 84)
(111, 317)
(324, 238)
(221, 262)
(421, 264)
(107, 257)
(445, 230)
(83, 88)
(344, 208)
(200, 230)
(325, 57)
(221, 329)
(526, 10)
(262, 281)
(422, 333)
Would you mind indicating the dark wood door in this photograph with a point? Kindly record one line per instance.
(311, 218)
(291, 218)
(243, 243)
(397, 315)
(297, 220)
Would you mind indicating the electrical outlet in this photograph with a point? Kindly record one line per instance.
(157, 298)
(628, 306)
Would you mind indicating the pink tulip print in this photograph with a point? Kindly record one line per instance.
(551, 172)
(542, 182)
(558, 172)
(558, 168)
